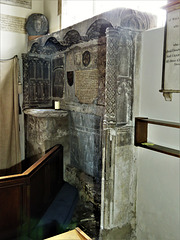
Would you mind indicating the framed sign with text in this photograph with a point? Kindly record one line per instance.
(171, 60)
(18, 3)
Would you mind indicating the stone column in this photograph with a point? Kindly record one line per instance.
(112, 49)
(111, 75)
(118, 157)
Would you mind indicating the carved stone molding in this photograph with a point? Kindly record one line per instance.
(124, 100)
(51, 46)
(98, 28)
(71, 37)
(119, 76)
(135, 20)
(111, 71)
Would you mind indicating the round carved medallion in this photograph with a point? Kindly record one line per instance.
(37, 24)
(86, 58)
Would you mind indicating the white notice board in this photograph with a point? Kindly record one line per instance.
(171, 62)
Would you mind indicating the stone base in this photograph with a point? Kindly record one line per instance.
(87, 214)
(45, 128)
(123, 233)
(89, 190)
(87, 218)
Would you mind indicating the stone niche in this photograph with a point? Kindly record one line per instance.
(92, 68)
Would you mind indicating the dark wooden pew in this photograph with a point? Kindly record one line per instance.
(25, 197)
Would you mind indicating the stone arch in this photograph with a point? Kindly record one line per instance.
(71, 37)
(53, 45)
(98, 28)
(134, 20)
(35, 48)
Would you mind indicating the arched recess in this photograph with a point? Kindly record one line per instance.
(134, 20)
(98, 28)
(71, 37)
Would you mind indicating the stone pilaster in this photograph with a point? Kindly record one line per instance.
(111, 75)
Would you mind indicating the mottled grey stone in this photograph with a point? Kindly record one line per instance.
(74, 63)
(89, 190)
(46, 113)
(115, 55)
(98, 28)
(37, 24)
(85, 143)
(121, 233)
(44, 129)
(120, 17)
(124, 136)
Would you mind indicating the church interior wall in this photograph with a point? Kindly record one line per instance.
(15, 43)
(157, 174)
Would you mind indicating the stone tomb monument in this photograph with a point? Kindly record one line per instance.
(92, 68)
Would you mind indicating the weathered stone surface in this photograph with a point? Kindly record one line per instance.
(119, 173)
(86, 85)
(36, 82)
(86, 217)
(95, 27)
(98, 28)
(46, 113)
(85, 143)
(37, 24)
(111, 75)
(119, 76)
(118, 185)
(87, 213)
(51, 46)
(89, 190)
(114, 53)
(123, 233)
(125, 136)
(57, 76)
(71, 37)
(43, 130)
(89, 81)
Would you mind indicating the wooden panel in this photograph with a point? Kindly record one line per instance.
(24, 197)
(11, 202)
(45, 183)
(141, 135)
(161, 149)
(159, 122)
(141, 129)
(36, 194)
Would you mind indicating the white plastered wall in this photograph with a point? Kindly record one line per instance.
(51, 12)
(13, 43)
(158, 179)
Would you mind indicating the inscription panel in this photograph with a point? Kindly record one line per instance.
(12, 23)
(19, 3)
(86, 85)
(172, 54)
